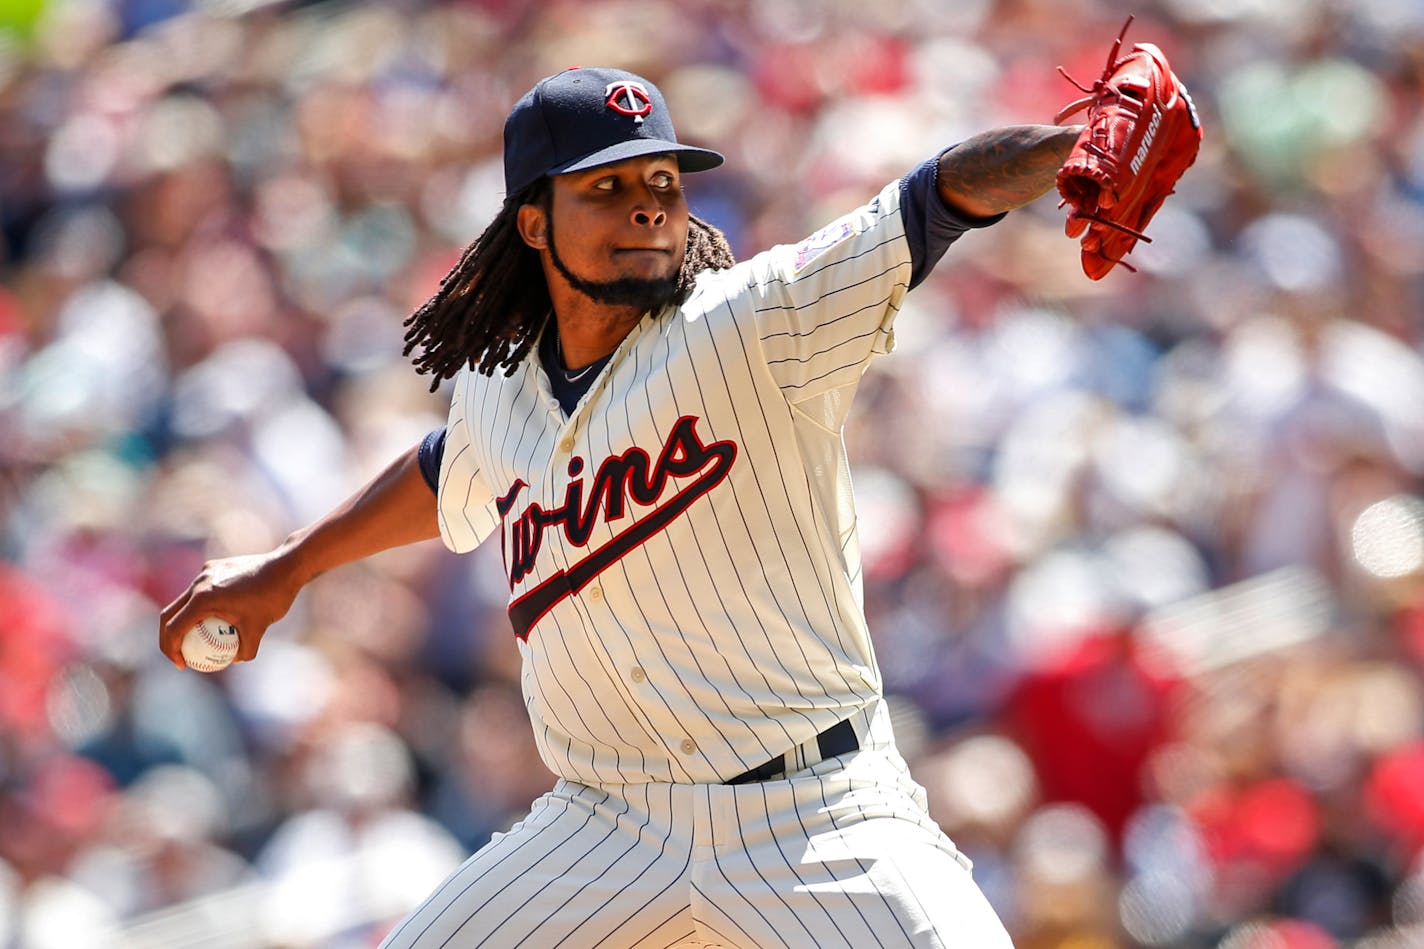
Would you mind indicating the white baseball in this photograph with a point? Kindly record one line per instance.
(210, 645)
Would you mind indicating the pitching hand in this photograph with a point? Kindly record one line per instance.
(251, 592)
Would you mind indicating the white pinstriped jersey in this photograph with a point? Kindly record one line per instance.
(681, 549)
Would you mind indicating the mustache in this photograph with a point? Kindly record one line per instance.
(645, 293)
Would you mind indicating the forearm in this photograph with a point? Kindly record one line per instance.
(253, 591)
(395, 508)
(1004, 168)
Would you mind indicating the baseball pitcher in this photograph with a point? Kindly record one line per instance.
(651, 432)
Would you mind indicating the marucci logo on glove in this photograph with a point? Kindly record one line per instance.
(1146, 145)
(630, 476)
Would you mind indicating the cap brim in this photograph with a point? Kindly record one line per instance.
(688, 158)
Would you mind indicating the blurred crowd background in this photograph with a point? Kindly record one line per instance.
(1145, 557)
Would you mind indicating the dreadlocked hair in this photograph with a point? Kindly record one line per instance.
(491, 305)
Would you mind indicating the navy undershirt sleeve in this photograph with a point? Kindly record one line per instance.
(432, 452)
(930, 224)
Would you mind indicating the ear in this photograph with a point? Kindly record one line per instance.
(533, 224)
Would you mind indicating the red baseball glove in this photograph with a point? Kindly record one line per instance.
(1142, 133)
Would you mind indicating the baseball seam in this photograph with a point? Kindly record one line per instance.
(221, 654)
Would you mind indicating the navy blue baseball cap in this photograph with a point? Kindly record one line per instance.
(582, 118)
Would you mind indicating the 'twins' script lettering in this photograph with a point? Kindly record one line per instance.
(620, 478)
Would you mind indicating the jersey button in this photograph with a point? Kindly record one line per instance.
(637, 674)
(596, 593)
(566, 445)
(688, 746)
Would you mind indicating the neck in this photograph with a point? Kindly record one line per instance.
(590, 331)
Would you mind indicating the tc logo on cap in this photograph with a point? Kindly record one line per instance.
(628, 98)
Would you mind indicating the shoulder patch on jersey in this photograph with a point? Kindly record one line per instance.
(820, 242)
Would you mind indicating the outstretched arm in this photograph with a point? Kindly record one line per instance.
(1004, 168)
(252, 592)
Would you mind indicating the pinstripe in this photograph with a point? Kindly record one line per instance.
(611, 674)
(458, 412)
(828, 569)
(732, 678)
(718, 695)
(767, 890)
(469, 488)
(827, 599)
(600, 698)
(611, 670)
(547, 680)
(681, 874)
(554, 633)
(562, 852)
(672, 715)
(529, 702)
(821, 326)
(906, 889)
(808, 279)
(825, 375)
(736, 503)
(806, 833)
(582, 851)
(612, 829)
(646, 554)
(502, 441)
(911, 892)
(680, 940)
(730, 681)
(552, 685)
(455, 878)
(596, 698)
(510, 881)
(790, 867)
(689, 651)
(655, 641)
(766, 507)
(527, 429)
(826, 350)
(722, 937)
(822, 576)
(890, 910)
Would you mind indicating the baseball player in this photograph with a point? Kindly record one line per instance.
(652, 434)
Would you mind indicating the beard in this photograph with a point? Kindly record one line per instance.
(642, 293)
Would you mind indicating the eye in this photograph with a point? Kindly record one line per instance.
(664, 180)
(605, 184)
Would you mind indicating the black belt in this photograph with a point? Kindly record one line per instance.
(839, 739)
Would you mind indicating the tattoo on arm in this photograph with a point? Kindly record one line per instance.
(1004, 168)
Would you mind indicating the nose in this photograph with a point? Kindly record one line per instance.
(648, 208)
(649, 216)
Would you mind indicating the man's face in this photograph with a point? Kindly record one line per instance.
(617, 233)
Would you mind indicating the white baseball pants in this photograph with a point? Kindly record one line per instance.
(840, 855)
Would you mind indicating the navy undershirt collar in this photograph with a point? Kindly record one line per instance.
(567, 391)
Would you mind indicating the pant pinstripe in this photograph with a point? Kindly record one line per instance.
(840, 855)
